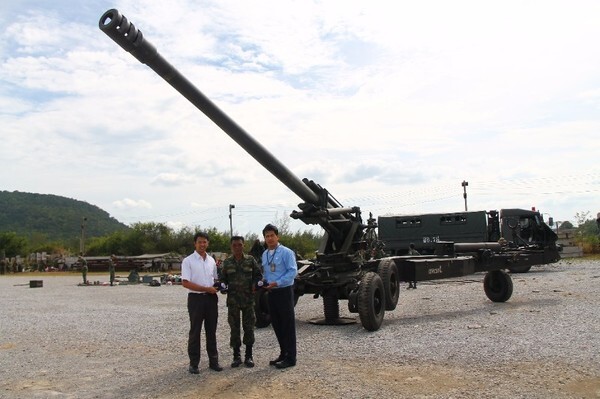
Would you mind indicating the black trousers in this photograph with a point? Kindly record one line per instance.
(202, 308)
(283, 319)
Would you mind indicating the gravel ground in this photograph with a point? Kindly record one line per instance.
(444, 340)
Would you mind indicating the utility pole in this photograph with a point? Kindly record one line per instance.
(231, 206)
(464, 185)
(82, 239)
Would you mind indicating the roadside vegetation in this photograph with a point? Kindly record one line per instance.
(152, 238)
(587, 233)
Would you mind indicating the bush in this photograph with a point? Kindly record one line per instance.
(590, 244)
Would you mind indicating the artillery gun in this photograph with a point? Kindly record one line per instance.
(343, 268)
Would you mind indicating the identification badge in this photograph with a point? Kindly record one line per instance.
(272, 267)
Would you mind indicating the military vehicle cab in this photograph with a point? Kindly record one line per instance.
(518, 227)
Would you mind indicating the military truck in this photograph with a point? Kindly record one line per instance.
(517, 227)
(344, 268)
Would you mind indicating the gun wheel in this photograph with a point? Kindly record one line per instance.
(371, 301)
(353, 302)
(520, 269)
(498, 286)
(388, 271)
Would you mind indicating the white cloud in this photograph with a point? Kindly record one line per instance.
(172, 179)
(387, 109)
(128, 203)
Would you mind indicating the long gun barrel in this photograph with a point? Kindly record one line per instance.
(343, 259)
(343, 225)
(126, 35)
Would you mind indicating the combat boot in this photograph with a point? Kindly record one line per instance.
(248, 359)
(237, 358)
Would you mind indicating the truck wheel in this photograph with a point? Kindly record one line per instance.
(520, 269)
(497, 285)
(353, 302)
(371, 301)
(261, 309)
(388, 271)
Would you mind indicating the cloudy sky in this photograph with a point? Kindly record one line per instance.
(390, 105)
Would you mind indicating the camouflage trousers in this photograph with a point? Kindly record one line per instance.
(248, 319)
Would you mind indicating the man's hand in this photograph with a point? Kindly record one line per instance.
(211, 290)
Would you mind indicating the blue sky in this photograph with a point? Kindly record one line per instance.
(389, 105)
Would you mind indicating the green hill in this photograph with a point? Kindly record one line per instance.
(55, 217)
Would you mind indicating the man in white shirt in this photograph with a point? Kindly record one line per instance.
(198, 275)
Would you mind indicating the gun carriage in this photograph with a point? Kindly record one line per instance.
(344, 268)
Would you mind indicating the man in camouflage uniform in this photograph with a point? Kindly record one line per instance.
(240, 272)
(111, 268)
(84, 269)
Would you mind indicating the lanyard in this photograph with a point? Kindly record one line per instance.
(270, 261)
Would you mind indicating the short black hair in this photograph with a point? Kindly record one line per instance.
(272, 228)
(236, 238)
(201, 234)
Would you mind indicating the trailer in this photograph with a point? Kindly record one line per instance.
(515, 228)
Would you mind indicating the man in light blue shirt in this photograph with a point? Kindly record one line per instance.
(279, 271)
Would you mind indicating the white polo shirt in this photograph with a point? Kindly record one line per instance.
(198, 270)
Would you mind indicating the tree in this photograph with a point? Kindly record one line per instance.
(12, 244)
(588, 228)
(566, 225)
(283, 224)
(305, 243)
(183, 241)
(587, 233)
(107, 245)
(582, 217)
(50, 247)
(219, 241)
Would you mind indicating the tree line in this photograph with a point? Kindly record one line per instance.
(153, 238)
(147, 238)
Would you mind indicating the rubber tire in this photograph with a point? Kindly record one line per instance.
(388, 271)
(261, 308)
(498, 286)
(371, 301)
(353, 302)
(520, 269)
